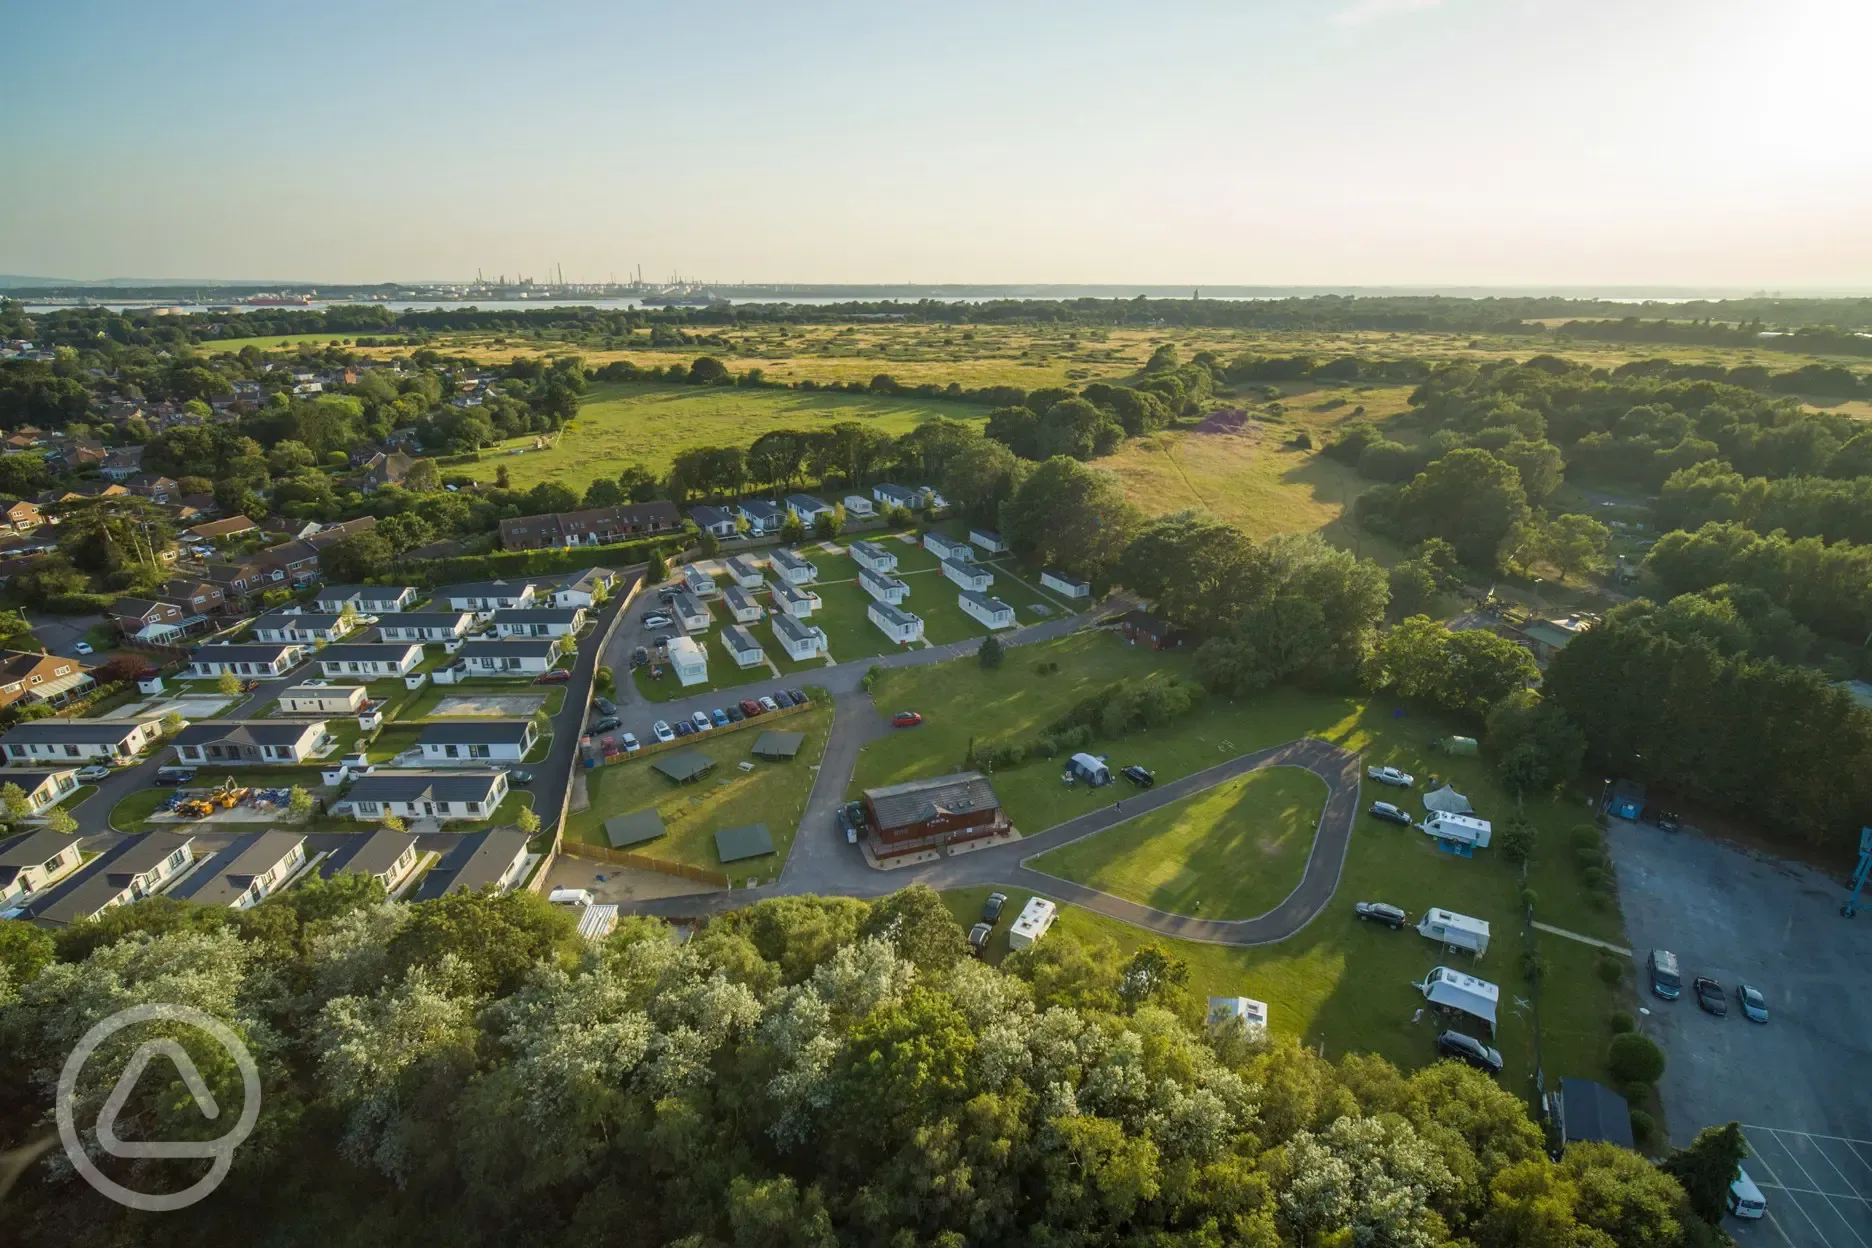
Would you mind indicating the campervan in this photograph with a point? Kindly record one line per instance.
(1459, 829)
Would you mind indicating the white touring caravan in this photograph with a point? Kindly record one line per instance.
(1446, 927)
(1460, 829)
(1035, 918)
(1454, 992)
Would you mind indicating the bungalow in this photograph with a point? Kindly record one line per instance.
(800, 641)
(794, 601)
(898, 625)
(988, 540)
(741, 646)
(717, 520)
(261, 660)
(873, 556)
(744, 572)
(494, 859)
(299, 559)
(1065, 585)
(243, 579)
(895, 496)
(967, 575)
(194, 597)
(514, 657)
(990, 611)
(691, 616)
(539, 622)
(302, 627)
(133, 868)
(49, 678)
(594, 526)
(887, 589)
(235, 741)
(578, 589)
(43, 789)
(323, 700)
(214, 530)
(367, 599)
(424, 795)
(858, 507)
(743, 608)
(763, 519)
(948, 548)
(486, 596)
(1146, 629)
(66, 740)
(792, 568)
(370, 660)
(487, 740)
(387, 855)
(247, 872)
(689, 660)
(808, 508)
(146, 619)
(31, 861)
(426, 626)
(698, 580)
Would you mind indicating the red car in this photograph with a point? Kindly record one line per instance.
(558, 676)
(750, 707)
(906, 719)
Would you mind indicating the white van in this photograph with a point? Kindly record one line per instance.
(571, 897)
(1745, 1199)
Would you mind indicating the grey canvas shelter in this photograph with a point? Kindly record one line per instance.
(684, 766)
(1591, 1111)
(750, 840)
(633, 829)
(778, 745)
(1447, 801)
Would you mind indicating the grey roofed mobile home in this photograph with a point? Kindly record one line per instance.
(477, 860)
(420, 786)
(370, 853)
(80, 731)
(477, 732)
(135, 867)
(247, 870)
(426, 625)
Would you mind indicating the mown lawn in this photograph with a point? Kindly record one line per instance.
(1231, 852)
(770, 793)
(281, 342)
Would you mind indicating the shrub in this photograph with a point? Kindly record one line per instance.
(1595, 877)
(1643, 1129)
(870, 678)
(1610, 970)
(605, 680)
(1533, 966)
(991, 652)
(1635, 1094)
(1620, 1022)
(1589, 858)
(1633, 1058)
(1517, 842)
(1529, 899)
(1585, 836)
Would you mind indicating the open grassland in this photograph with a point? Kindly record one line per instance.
(1231, 852)
(288, 342)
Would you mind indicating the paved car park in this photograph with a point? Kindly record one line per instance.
(1799, 1083)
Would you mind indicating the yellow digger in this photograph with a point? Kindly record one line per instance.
(227, 797)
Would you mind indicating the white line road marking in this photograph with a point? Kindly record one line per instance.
(1756, 1126)
(1801, 1166)
(1811, 1191)
(1842, 1174)
(1775, 1179)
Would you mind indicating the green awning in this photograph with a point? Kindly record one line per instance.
(684, 765)
(778, 745)
(750, 840)
(634, 829)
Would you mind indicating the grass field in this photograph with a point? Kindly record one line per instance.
(1231, 852)
(770, 793)
(284, 342)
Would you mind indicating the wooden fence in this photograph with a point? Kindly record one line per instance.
(762, 720)
(643, 862)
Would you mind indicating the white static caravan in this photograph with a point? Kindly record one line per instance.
(1453, 991)
(858, 507)
(990, 611)
(1035, 918)
(968, 575)
(1459, 829)
(744, 572)
(743, 608)
(895, 623)
(690, 662)
(741, 646)
(990, 541)
(691, 616)
(871, 555)
(1224, 1011)
(1459, 930)
(883, 588)
(1065, 585)
(700, 583)
(792, 568)
(948, 548)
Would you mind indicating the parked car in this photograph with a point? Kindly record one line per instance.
(1745, 1199)
(83, 647)
(248, 686)
(736, 714)
(1469, 1049)
(750, 707)
(684, 728)
(799, 697)
(315, 682)
(979, 936)
(782, 698)
(1143, 777)
(701, 721)
(662, 732)
(844, 820)
(517, 776)
(906, 719)
(1381, 912)
(639, 657)
(1389, 813)
(991, 908)
(720, 717)
(855, 811)
(606, 724)
(1710, 996)
(631, 745)
(657, 621)
(768, 704)
(174, 775)
(605, 706)
(1754, 1005)
(558, 676)
(1666, 982)
(96, 771)
(1391, 776)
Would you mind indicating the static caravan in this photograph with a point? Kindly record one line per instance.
(990, 611)
(796, 602)
(895, 623)
(741, 646)
(1453, 992)
(370, 660)
(888, 495)
(1248, 1012)
(427, 626)
(1065, 585)
(792, 568)
(761, 516)
(1458, 829)
(1035, 918)
(744, 572)
(948, 548)
(883, 588)
(717, 520)
(873, 556)
(967, 575)
(800, 641)
(1449, 928)
(990, 541)
(691, 616)
(698, 581)
(858, 507)
(539, 622)
(808, 508)
(688, 659)
(742, 608)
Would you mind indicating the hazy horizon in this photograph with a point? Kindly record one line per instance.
(1378, 144)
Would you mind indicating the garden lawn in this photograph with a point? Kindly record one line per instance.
(1231, 852)
(421, 705)
(850, 634)
(770, 793)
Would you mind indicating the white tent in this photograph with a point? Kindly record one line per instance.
(1462, 829)
(1447, 801)
(1449, 928)
(1450, 990)
(1088, 769)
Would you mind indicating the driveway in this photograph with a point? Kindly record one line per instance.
(60, 634)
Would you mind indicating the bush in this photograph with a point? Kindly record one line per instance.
(1302, 441)
(1529, 899)
(1517, 842)
(870, 678)
(1533, 966)
(1633, 1058)
(1588, 858)
(1610, 969)
(1595, 877)
(1585, 836)
(991, 652)
(1635, 1094)
(604, 679)
(1620, 1022)
(1643, 1129)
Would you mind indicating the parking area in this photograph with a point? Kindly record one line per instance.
(1799, 1083)
(514, 705)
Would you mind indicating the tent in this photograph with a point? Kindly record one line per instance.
(750, 840)
(633, 829)
(1459, 829)
(684, 765)
(1455, 745)
(1089, 769)
(778, 746)
(1449, 928)
(1454, 992)
(1447, 801)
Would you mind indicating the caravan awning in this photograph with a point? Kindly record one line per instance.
(1447, 801)
(1454, 990)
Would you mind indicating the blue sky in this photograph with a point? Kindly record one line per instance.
(1723, 142)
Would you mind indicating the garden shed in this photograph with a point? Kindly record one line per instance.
(684, 766)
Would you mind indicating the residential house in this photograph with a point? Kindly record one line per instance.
(494, 859)
(516, 657)
(262, 660)
(477, 741)
(132, 869)
(216, 530)
(64, 741)
(84, 491)
(200, 504)
(697, 580)
(442, 795)
(871, 555)
(948, 548)
(49, 678)
(196, 598)
(301, 626)
(540, 622)
(370, 660)
(888, 495)
(388, 855)
(990, 611)
(988, 540)
(1065, 586)
(251, 741)
(43, 789)
(31, 861)
(794, 601)
(792, 568)
(323, 700)
(299, 559)
(146, 619)
(807, 508)
(156, 488)
(121, 464)
(595, 526)
(858, 507)
(763, 519)
(324, 536)
(800, 640)
(742, 608)
(690, 615)
(1146, 629)
(486, 595)
(426, 626)
(244, 579)
(367, 599)
(741, 646)
(967, 575)
(251, 869)
(689, 660)
(23, 516)
(379, 470)
(717, 520)
(579, 589)
(883, 588)
(895, 623)
(932, 813)
(744, 572)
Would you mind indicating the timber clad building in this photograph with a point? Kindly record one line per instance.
(931, 814)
